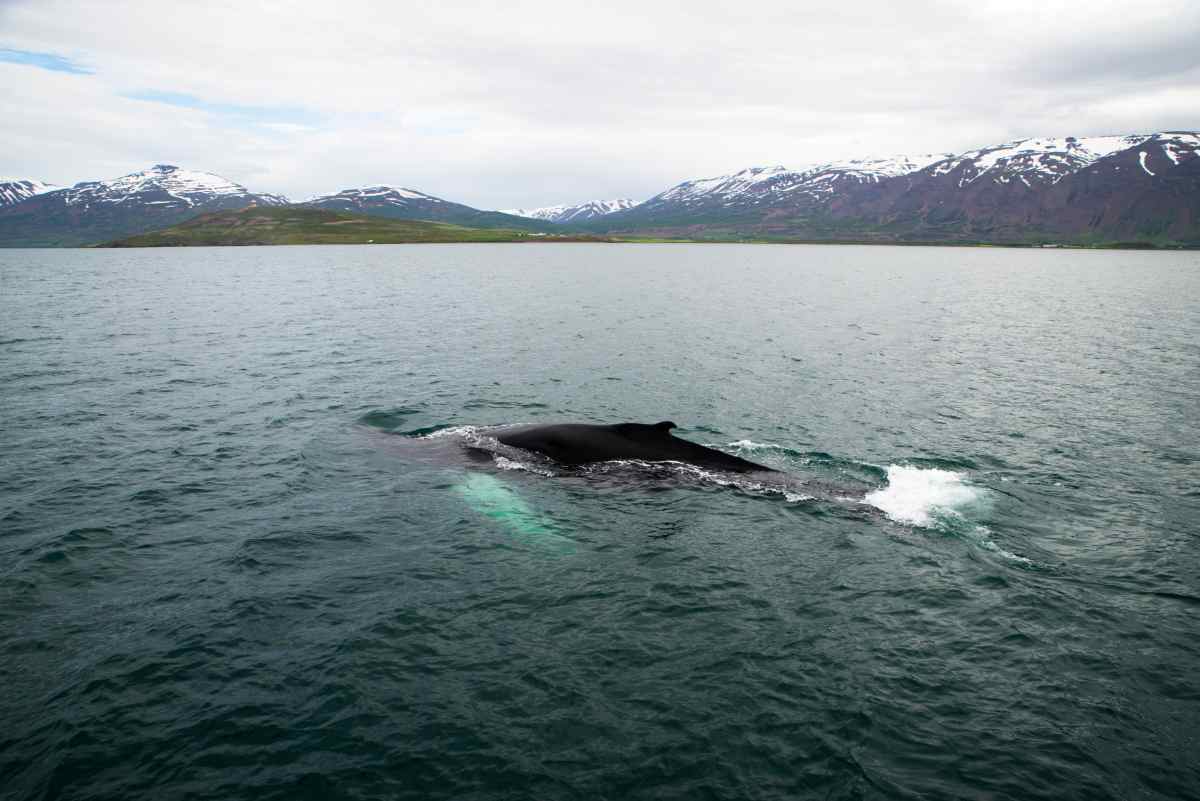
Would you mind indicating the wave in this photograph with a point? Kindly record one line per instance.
(388, 419)
(818, 460)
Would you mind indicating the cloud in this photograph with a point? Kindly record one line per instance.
(273, 116)
(45, 61)
(529, 103)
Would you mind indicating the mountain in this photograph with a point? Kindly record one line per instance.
(408, 204)
(14, 190)
(778, 185)
(142, 201)
(1073, 189)
(304, 225)
(1135, 188)
(580, 212)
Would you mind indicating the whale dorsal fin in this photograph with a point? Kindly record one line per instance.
(637, 430)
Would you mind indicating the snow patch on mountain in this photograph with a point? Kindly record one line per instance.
(1178, 146)
(874, 169)
(1142, 161)
(577, 212)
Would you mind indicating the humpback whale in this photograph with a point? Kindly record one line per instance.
(581, 443)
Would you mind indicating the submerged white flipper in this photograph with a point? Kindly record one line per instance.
(492, 498)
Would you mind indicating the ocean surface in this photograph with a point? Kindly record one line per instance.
(256, 542)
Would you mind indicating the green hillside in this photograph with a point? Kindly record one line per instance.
(295, 225)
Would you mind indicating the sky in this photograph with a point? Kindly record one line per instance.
(523, 104)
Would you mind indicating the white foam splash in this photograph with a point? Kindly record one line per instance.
(504, 463)
(695, 472)
(926, 496)
(751, 445)
(916, 495)
(982, 537)
(451, 431)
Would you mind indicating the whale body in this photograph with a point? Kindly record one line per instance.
(582, 443)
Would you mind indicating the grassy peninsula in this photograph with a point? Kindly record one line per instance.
(295, 225)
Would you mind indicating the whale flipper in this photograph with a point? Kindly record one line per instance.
(492, 498)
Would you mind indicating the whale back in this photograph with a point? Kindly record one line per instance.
(582, 443)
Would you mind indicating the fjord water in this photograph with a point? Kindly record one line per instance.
(235, 564)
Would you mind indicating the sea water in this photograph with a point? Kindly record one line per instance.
(248, 550)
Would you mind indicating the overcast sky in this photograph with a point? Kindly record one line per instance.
(533, 103)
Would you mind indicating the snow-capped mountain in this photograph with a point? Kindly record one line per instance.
(409, 204)
(14, 190)
(373, 197)
(1133, 187)
(1046, 160)
(759, 184)
(578, 212)
(1099, 188)
(166, 184)
(748, 183)
(827, 179)
(94, 211)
